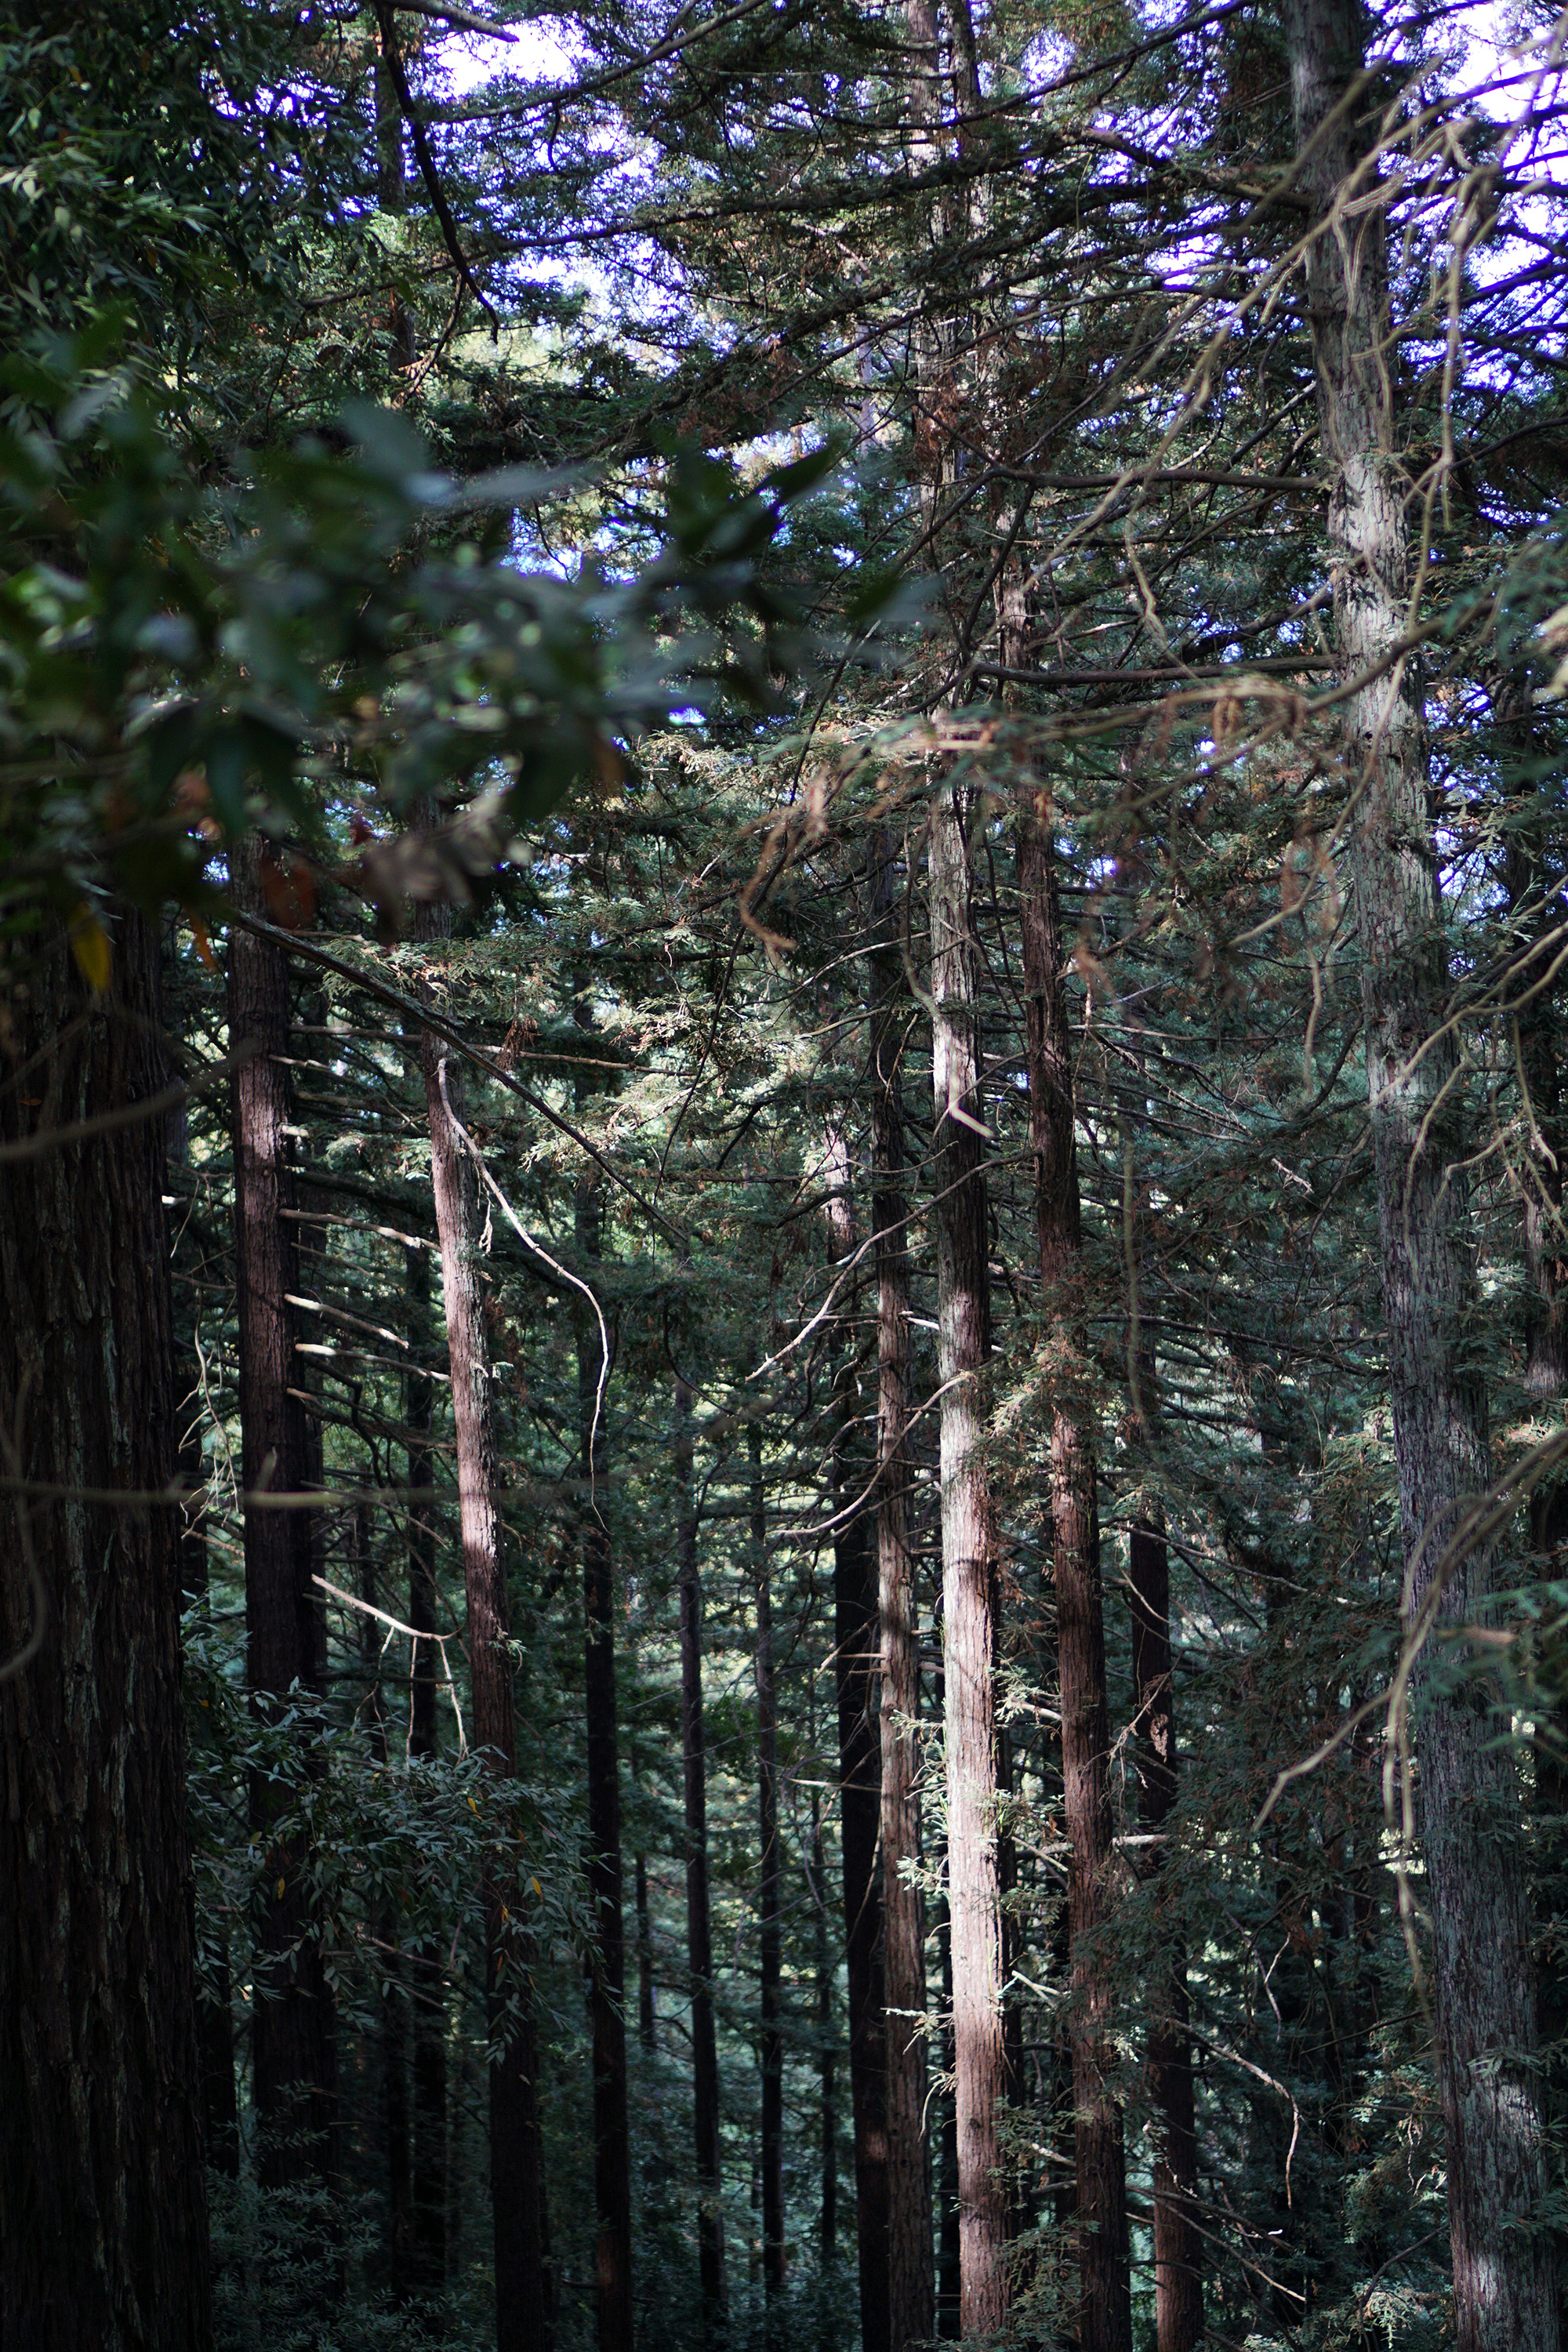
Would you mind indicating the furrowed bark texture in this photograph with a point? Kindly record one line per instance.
(856, 1655)
(523, 2313)
(104, 2232)
(293, 2028)
(968, 1568)
(1504, 2283)
(771, 1894)
(1178, 2249)
(699, 1930)
(607, 1984)
(910, 2284)
(1105, 2315)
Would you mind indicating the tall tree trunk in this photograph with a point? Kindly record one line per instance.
(969, 1567)
(612, 2134)
(1178, 2249)
(427, 2274)
(698, 1931)
(910, 2284)
(855, 1659)
(524, 2315)
(102, 2206)
(1105, 2317)
(827, 2049)
(647, 2022)
(393, 2031)
(770, 1906)
(293, 2036)
(1504, 2283)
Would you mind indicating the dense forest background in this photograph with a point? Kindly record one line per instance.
(782, 1128)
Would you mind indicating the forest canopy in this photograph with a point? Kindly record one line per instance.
(781, 1141)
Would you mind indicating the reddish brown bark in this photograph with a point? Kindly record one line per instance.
(427, 1986)
(103, 2238)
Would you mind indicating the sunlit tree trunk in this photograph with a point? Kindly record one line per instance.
(969, 1567)
(1475, 1884)
(103, 2234)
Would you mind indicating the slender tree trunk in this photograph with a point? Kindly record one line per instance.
(968, 1568)
(103, 2217)
(910, 2284)
(647, 2022)
(855, 1659)
(1477, 1882)
(770, 1906)
(293, 2038)
(215, 2000)
(392, 2038)
(699, 1932)
(1178, 2249)
(1105, 2320)
(428, 1988)
(827, 2051)
(612, 2135)
(523, 2316)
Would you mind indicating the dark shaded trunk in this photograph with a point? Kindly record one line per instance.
(1105, 2317)
(770, 1906)
(101, 2203)
(1178, 2249)
(214, 1991)
(394, 2023)
(523, 2313)
(698, 1931)
(969, 1567)
(608, 1977)
(857, 1654)
(293, 2034)
(647, 2022)
(910, 2284)
(826, 2049)
(1505, 2288)
(427, 2274)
